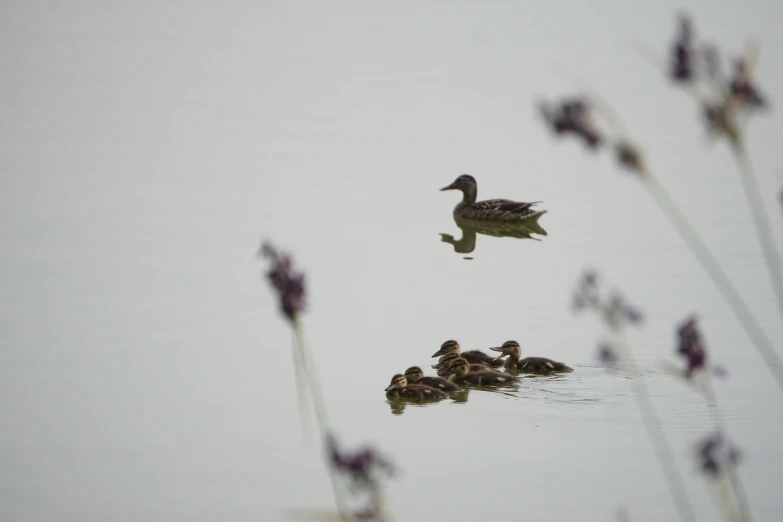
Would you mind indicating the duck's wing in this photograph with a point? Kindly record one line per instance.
(437, 382)
(541, 365)
(489, 378)
(506, 205)
(477, 356)
(419, 391)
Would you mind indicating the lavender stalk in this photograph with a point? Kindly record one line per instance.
(289, 285)
(576, 117)
(692, 348)
(722, 282)
(617, 313)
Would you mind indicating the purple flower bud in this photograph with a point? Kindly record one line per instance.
(681, 57)
(633, 315)
(360, 468)
(630, 157)
(359, 465)
(571, 116)
(287, 282)
(607, 354)
(715, 454)
(687, 328)
(590, 279)
(691, 346)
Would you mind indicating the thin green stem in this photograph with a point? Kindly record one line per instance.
(718, 490)
(319, 408)
(735, 479)
(719, 278)
(654, 428)
(758, 210)
(301, 388)
(316, 394)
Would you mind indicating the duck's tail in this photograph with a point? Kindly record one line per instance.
(531, 222)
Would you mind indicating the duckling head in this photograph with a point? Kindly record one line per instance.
(465, 183)
(509, 348)
(445, 360)
(459, 367)
(446, 348)
(413, 374)
(397, 382)
(454, 362)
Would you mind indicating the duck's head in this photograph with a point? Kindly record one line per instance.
(457, 368)
(447, 348)
(413, 374)
(397, 382)
(445, 360)
(465, 183)
(509, 348)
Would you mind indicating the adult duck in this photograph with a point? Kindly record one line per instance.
(490, 209)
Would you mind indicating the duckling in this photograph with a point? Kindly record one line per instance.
(491, 209)
(461, 374)
(528, 364)
(414, 375)
(472, 356)
(476, 367)
(447, 359)
(445, 367)
(399, 387)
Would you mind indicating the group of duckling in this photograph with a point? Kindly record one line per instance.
(473, 367)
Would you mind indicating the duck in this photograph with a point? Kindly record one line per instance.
(446, 360)
(490, 209)
(414, 375)
(459, 373)
(447, 363)
(512, 350)
(399, 388)
(472, 356)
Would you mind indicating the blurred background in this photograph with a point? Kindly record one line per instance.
(146, 148)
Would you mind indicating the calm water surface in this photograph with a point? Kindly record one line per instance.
(146, 149)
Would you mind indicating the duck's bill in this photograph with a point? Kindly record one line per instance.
(448, 187)
(390, 387)
(438, 353)
(439, 365)
(496, 348)
(443, 372)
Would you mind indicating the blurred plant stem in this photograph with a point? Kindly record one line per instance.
(719, 278)
(319, 408)
(301, 388)
(652, 424)
(735, 480)
(750, 184)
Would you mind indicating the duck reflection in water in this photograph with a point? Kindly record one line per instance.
(470, 227)
(397, 405)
